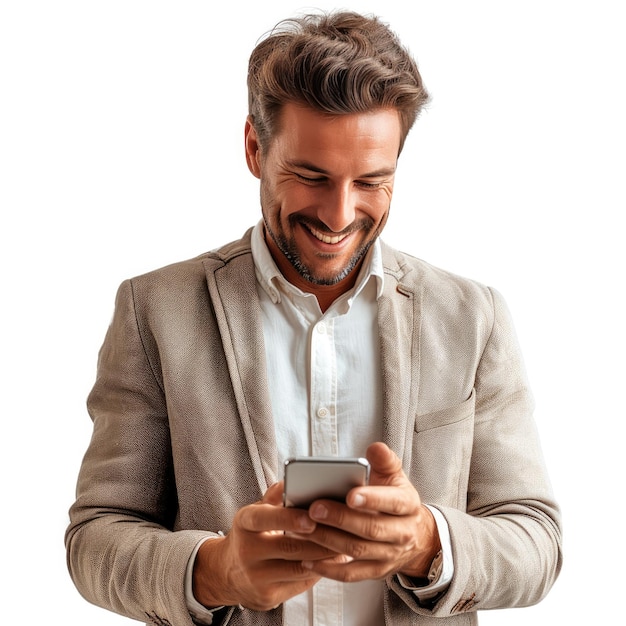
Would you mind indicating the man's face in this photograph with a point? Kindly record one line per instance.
(326, 187)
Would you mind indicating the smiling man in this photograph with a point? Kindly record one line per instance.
(326, 186)
(311, 337)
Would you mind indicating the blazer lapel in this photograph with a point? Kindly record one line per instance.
(399, 330)
(232, 286)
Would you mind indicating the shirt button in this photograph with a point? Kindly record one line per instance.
(323, 412)
(321, 328)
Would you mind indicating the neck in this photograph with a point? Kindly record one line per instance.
(325, 294)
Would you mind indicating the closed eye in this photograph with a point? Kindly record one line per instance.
(314, 180)
(366, 185)
(311, 180)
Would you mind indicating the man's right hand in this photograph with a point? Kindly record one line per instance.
(258, 565)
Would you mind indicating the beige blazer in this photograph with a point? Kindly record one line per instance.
(183, 436)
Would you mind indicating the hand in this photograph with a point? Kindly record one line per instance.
(382, 529)
(257, 565)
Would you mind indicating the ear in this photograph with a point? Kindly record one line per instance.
(253, 150)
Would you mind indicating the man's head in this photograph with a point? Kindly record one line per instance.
(335, 63)
(332, 98)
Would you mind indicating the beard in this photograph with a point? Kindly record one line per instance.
(291, 252)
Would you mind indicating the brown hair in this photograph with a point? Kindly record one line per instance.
(336, 63)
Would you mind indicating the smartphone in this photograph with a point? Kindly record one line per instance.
(310, 478)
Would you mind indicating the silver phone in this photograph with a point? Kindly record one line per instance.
(311, 478)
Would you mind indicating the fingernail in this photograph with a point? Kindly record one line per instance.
(358, 500)
(318, 511)
(305, 523)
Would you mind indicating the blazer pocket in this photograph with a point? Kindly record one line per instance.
(442, 453)
(449, 415)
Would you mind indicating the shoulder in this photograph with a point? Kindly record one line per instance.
(430, 282)
(193, 271)
(446, 304)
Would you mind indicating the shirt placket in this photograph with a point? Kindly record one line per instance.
(323, 408)
(327, 594)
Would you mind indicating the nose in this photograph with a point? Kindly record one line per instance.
(338, 208)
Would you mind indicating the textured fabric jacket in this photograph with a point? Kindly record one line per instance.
(183, 437)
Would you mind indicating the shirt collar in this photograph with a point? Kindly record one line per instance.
(273, 282)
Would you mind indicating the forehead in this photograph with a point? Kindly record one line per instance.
(306, 133)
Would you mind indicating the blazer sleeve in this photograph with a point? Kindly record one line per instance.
(506, 542)
(122, 553)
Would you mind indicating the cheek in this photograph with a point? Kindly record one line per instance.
(378, 209)
(295, 198)
(276, 199)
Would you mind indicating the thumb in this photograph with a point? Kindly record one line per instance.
(385, 464)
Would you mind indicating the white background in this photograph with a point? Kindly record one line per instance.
(121, 150)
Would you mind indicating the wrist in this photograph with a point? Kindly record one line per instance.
(208, 579)
(429, 549)
(434, 573)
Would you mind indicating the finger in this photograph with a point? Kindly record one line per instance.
(377, 537)
(349, 570)
(383, 512)
(349, 545)
(398, 500)
(279, 571)
(275, 547)
(263, 517)
(277, 582)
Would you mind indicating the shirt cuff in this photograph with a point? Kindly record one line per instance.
(442, 568)
(198, 612)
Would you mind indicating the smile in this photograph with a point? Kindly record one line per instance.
(332, 239)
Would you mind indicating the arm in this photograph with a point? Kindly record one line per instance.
(125, 552)
(505, 533)
(120, 542)
(505, 528)
(512, 524)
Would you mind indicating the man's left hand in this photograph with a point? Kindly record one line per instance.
(382, 529)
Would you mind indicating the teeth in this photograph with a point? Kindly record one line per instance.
(326, 238)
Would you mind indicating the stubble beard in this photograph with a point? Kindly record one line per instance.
(291, 253)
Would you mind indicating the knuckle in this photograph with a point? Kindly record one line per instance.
(337, 514)
(349, 576)
(298, 571)
(376, 528)
(323, 534)
(398, 506)
(289, 547)
(244, 519)
(263, 601)
(379, 572)
(272, 602)
(356, 549)
(406, 538)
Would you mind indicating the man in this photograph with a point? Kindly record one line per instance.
(309, 336)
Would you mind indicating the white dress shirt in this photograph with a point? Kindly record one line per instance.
(326, 393)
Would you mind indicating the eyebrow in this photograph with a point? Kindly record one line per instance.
(386, 171)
